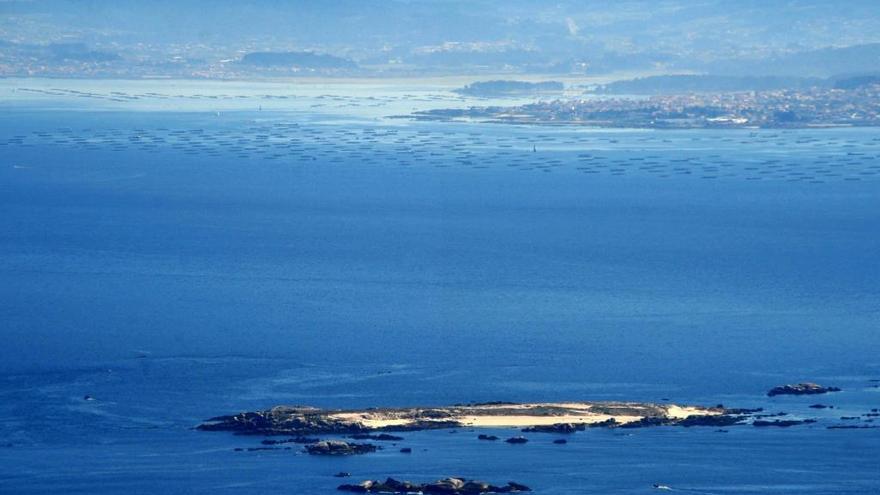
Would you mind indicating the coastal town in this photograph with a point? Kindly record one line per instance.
(816, 107)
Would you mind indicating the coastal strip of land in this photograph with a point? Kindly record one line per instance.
(857, 106)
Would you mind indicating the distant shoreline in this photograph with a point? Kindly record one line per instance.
(620, 125)
(452, 81)
(858, 106)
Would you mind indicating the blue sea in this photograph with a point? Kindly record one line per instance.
(176, 251)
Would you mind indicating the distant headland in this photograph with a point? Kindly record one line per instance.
(500, 88)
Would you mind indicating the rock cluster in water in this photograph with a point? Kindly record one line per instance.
(451, 486)
(338, 447)
(565, 428)
(801, 389)
(782, 423)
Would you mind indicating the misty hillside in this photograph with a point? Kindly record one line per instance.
(800, 37)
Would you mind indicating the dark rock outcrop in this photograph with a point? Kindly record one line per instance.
(783, 423)
(516, 487)
(801, 389)
(555, 428)
(716, 421)
(519, 439)
(487, 437)
(301, 421)
(608, 423)
(446, 486)
(244, 422)
(297, 421)
(650, 421)
(337, 447)
(426, 425)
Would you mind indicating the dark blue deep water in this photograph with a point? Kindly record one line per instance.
(177, 266)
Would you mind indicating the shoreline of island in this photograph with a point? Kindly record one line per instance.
(561, 417)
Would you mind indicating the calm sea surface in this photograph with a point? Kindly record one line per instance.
(178, 255)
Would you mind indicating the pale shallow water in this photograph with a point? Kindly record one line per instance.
(180, 265)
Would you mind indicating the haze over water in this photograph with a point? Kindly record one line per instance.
(180, 265)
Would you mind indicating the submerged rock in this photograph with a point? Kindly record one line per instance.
(801, 389)
(519, 439)
(487, 437)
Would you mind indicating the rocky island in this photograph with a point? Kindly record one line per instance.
(537, 417)
(488, 89)
(801, 389)
(337, 447)
(304, 424)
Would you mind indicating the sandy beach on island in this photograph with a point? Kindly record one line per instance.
(523, 415)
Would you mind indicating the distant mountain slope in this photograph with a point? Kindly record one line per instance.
(195, 38)
(672, 84)
(296, 59)
(823, 62)
(501, 88)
